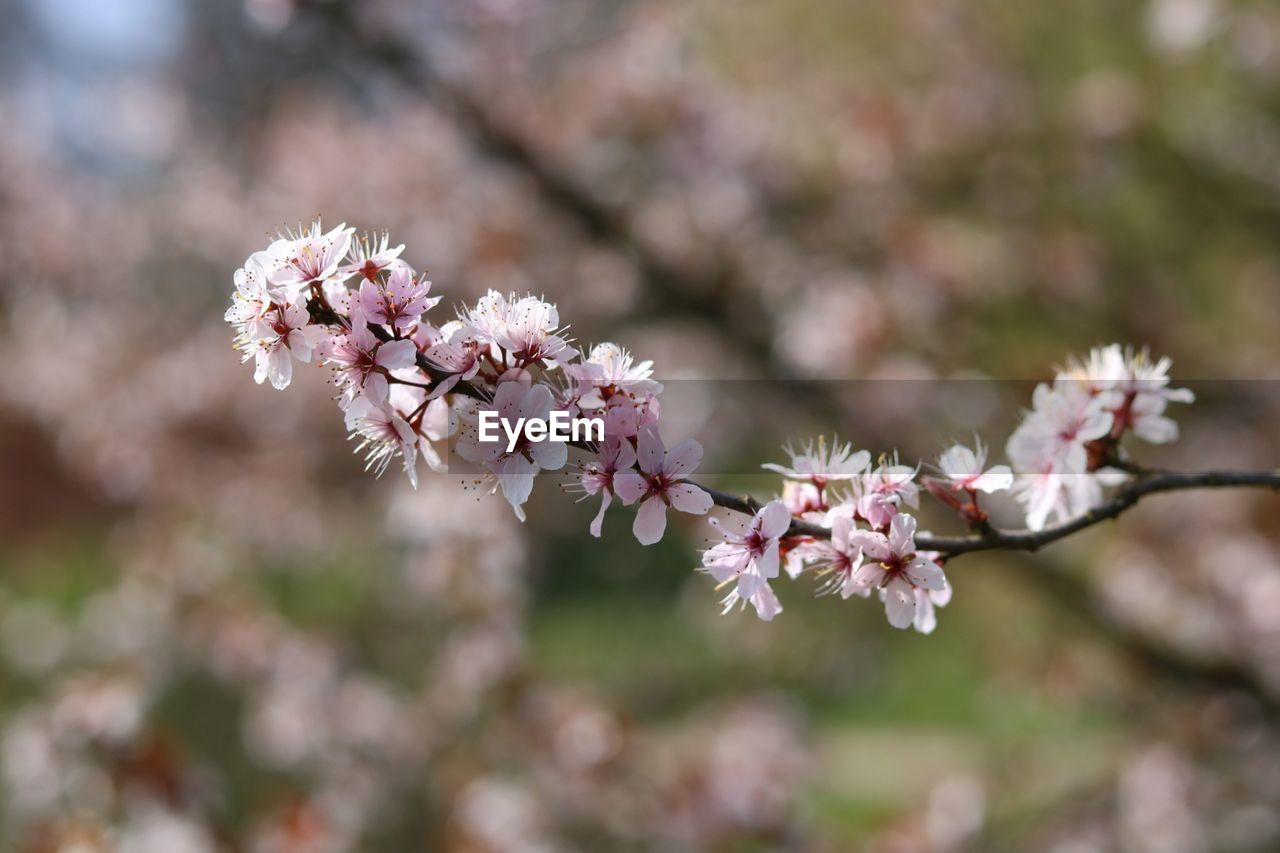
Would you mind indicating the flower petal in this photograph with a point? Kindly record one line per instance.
(651, 521)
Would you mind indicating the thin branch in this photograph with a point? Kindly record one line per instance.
(993, 539)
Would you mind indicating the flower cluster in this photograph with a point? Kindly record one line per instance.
(408, 387)
(1067, 448)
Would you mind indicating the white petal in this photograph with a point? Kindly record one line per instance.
(900, 603)
(995, 479)
(925, 574)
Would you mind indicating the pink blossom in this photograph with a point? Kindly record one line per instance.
(398, 303)
(880, 492)
(275, 339)
(658, 485)
(312, 257)
(964, 469)
(363, 362)
(750, 558)
(383, 435)
(371, 255)
(893, 567)
(820, 463)
(597, 476)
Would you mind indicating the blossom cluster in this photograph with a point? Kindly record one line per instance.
(410, 389)
(1067, 448)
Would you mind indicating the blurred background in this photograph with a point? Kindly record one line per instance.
(218, 634)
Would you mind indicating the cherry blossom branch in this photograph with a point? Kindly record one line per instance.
(1141, 485)
(994, 539)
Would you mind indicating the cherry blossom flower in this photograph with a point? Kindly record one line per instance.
(251, 299)
(1138, 388)
(370, 255)
(658, 485)
(383, 435)
(615, 455)
(609, 369)
(515, 470)
(312, 257)
(363, 361)
(835, 560)
(1049, 450)
(526, 328)
(964, 469)
(820, 464)
(275, 339)
(400, 303)
(750, 558)
(893, 567)
(880, 492)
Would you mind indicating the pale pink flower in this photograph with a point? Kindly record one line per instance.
(893, 567)
(275, 339)
(363, 362)
(400, 302)
(454, 350)
(927, 602)
(531, 332)
(383, 435)
(615, 454)
(607, 370)
(820, 463)
(750, 558)
(295, 263)
(369, 256)
(251, 299)
(880, 492)
(658, 485)
(515, 471)
(838, 558)
(1138, 388)
(964, 469)
(527, 328)
(1049, 450)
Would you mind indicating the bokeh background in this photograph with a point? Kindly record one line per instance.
(218, 634)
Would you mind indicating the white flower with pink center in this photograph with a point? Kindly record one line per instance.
(893, 567)
(295, 263)
(966, 469)
(383, 435)
(880, 492)
(275, 339)
(820, 463)
(615, 455)
(371, 255)
(659, 484)
(363, 362)
(400, 302)
(749, 558)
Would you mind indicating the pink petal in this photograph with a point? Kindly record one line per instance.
(394, 355)
(689, 499)
(682, 459)
(925, 574)
(630, 486)
(651, 521)
(649, 451)
(597, 523)
(774, 518)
